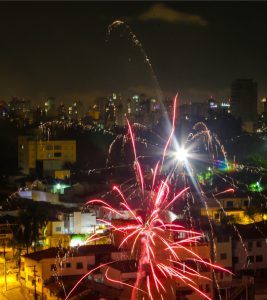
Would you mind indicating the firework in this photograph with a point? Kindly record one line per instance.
(118, 24)
(152, 236)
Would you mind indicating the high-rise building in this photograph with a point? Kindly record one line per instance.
(62, 112)
(133, 108)
(77, 110)
(193, 111)
(143, 109)
(110, 112)
(244, 100)
(19, 110)
(100, 105)
(50, 107)
(3, 110)
(263, 103)
(218, 109)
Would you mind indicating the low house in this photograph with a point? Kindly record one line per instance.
(39, 267)
(250, 250)
(64, 229)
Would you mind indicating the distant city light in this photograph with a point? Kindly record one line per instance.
(224, 104)
(213, 105)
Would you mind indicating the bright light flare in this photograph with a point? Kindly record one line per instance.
(181, 154)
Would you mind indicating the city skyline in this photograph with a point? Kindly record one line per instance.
(51, 49)
(133, 150)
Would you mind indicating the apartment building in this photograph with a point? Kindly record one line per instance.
(46, 156)
(234, 207)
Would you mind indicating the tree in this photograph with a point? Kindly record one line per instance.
(257, 206)
(30, 222)
(226, 220)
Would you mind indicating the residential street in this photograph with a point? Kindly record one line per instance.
(14, 289)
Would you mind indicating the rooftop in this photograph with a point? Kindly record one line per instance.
(252, 231)
(95, 249)
(80, 251)
(45, 254)
(125, 266)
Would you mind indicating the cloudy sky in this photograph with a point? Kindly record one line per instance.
(195, 48)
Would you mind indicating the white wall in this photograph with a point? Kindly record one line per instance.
(88, 222)
(77, 222)
(43, 196)
(25, 194)
(84, 222)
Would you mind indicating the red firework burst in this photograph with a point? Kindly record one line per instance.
(151, 236)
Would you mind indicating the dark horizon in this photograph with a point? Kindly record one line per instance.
(196, 49)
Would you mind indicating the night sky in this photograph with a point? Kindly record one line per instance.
(196, 48)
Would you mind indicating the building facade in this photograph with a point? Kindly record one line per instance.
(51, 154)
(39, 267)
(244, 94)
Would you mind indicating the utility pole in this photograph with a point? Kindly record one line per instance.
(34, 280)
(5, 262)
(34, 276)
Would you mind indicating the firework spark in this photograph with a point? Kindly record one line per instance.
(151, 237)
